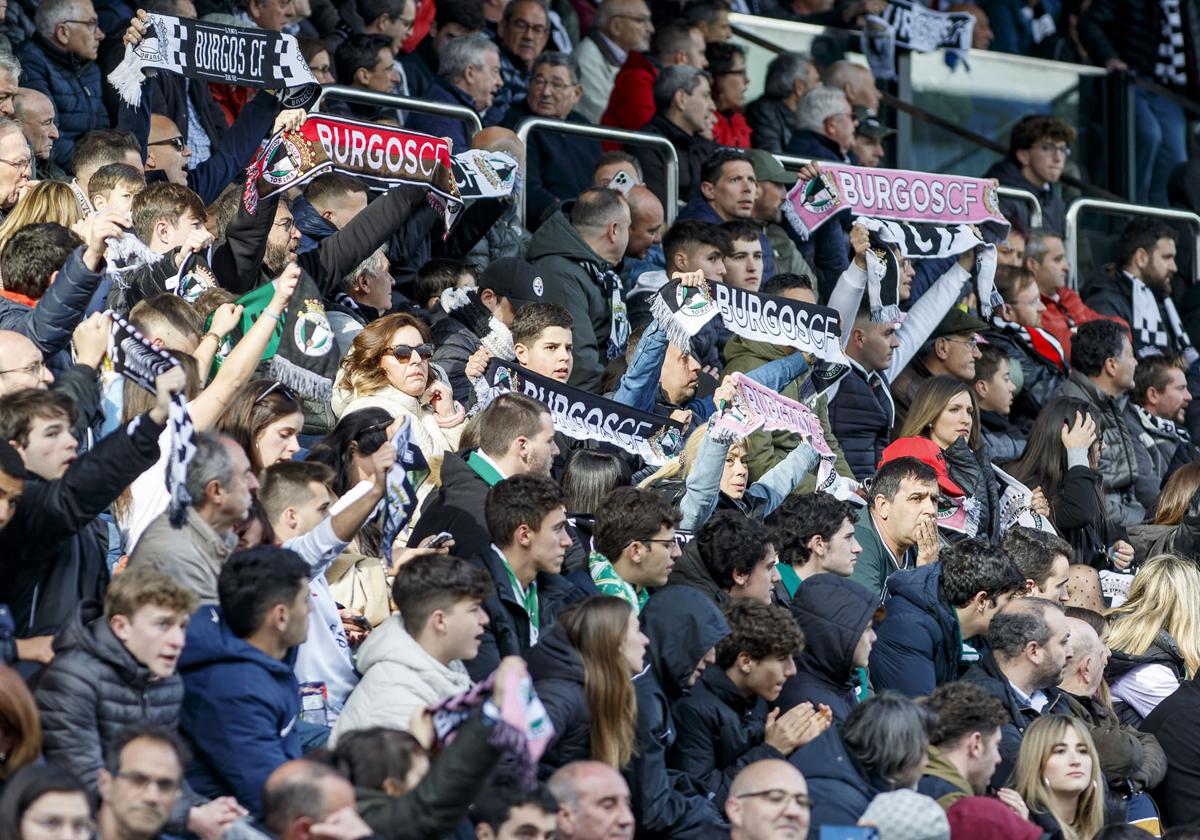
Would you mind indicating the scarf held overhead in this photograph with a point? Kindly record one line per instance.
(910, 26)
(894, 194)
(236, 55)
(684, 310)
(584, 416)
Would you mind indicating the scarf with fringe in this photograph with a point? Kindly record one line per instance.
(464, 306)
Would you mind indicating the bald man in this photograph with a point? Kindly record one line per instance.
(768, 801)
(646, 221)
(35, 112)
(593, 802)
(305, 799)
(857, 82)
(22, 365)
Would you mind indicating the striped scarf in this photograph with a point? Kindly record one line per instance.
(1170, 67)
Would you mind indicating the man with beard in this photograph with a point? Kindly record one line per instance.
(1155, 415)
(1137, 288)
(1030, 650)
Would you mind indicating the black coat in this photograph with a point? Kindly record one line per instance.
(52, 552)
(455, 344)
(918, 647)
(1111, 293)
(988, 676)
(772, 124)
(559, 165)
(1054, 210)
(1131, 31)
(833, 612)
(1176, 724)
(837, 783)
(861, 418)
(720, 732)
(92, 690)
(692, 151)
(682, 624)
(457, 507)
(557, 672)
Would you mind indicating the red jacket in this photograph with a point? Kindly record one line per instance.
(1063, 316)
(631, 103)
(732, 130)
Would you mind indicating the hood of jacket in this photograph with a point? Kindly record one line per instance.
(690, 571)
(390, 643)
(554, 658)
(683, 624)
(557, 237)
(312, 225)
(1162, 651)
(210, 643)
(833, 612)
(88, 632)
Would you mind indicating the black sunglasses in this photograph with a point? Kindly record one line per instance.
(177, 142)
(272, 388)
(404, 351)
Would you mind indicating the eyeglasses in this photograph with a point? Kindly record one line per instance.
(141, 781)
(1054, 148)
(522, 27)
(661, 541)
(778, 797)
(34, 370)
(272, 388)
(556, 85)
(971, 343)
(177, 143)
(640, 20)
(404, 351)
(22, 165)
(93, 24)
(288, 225)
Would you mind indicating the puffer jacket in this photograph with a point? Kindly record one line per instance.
(560, 256)
(1162, 651)
(833, 612)
(1006, 441)
(720, 731)
(683, 624)
(1118, 462)
(919, 640)
(72, 84)
(972, 471)
(398, 676)
(558, 675)
(837, 783)
(1132, 761)
(92, 690)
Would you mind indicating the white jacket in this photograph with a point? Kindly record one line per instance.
(398, 676)
(433, 441)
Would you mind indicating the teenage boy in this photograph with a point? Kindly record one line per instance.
(723, 723)
(1044, 560)
(731, 558)
(541, 334)
(527, 518)
(814, 535)
(689, 245)
(1037, 363)
(994, 390)
(744, 257)
(415, 658)
(115, 663)
(635, 544)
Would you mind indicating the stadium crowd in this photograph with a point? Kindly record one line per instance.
(319, 575)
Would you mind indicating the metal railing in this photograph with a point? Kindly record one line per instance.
(1118, 208)
(404, 103)
(616, 135)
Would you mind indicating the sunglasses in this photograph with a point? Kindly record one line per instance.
(404, 351)
(276, 387)
(177, 142)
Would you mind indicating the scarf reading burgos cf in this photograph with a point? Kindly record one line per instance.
(383, 157)
(238, 55)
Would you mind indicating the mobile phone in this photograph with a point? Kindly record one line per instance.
(361, 622)
(849, 832)
(621, 182)
(440, 540)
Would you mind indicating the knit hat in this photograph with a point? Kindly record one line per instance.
(907, 815)
(984, 818)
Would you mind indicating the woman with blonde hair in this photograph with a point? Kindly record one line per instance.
(46, 201)
(388, 366)
(583, 669)
(1154, 636)
(1058, 776)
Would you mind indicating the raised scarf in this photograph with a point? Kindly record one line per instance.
(911, 26)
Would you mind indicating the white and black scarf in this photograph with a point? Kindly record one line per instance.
(464, 306)
(1154, 337)
(401, 499)
(1170, 66)
(911, 26)
(239, 55)
(134, 358)
(1161, 426)
(610, 285)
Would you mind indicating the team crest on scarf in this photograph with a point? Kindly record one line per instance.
(286, 160)
(666, 443)
(195, 281)
(695, 301)
(821, 194)
(313, 335)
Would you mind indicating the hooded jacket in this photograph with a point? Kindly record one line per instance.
(93, 689)
(833, 612)
(1054, 210)
(240, 710)
(1118, 462)
(558, 675)
(398, 676)
(919, 641)
(837, 783)
(457, 507)
(560, 255)
(1162, 651)
(720, 732)
(683, 624)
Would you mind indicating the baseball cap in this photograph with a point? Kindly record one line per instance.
(869, 125)
(927, 452)
(767, 168)
(514, 279)
(956, 322)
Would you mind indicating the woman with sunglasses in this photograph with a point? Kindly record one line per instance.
(388, 367)
(265, 418)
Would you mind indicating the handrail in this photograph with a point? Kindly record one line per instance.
(1071, 240)
(615, 134)
(407, 103)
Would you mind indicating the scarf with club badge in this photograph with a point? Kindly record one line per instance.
(134, 358)
(239, 55)
(910, 26)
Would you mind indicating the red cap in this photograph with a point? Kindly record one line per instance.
(927, 452)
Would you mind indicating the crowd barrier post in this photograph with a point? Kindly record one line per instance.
(1119, 208)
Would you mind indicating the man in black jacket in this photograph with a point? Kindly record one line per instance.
(52, 550)
(1030, 650)
(515, 436)
(1038, 149)
(731, 558)
(683, 109)
(772, 117)
(723, 723)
